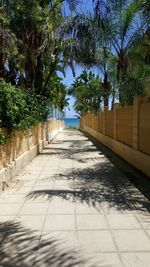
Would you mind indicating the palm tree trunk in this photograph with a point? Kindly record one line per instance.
(52, 70)
(1, 58)
(106, 87)
(121, 70)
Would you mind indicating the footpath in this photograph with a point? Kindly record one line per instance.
(72, 207)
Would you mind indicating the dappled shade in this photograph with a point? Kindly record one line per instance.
(23, 247)
(96, 181)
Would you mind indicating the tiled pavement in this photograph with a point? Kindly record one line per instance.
(71, 207)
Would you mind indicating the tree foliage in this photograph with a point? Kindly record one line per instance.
(34, 46)
(21, 109)
(37, 26)
(88, 92)
(117, 31)
(38, 40)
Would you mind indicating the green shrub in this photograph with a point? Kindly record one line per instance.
(20, 109)
(131, 87)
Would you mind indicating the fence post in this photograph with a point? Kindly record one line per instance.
(97, 120)
(104, 120)
(136, 109)
(87, 114)
(94, 121)
(90, 120)
(84, 123)
(85, 119)
(116, 106)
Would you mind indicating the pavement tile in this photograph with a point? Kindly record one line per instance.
(67, 189)
(99, 260)
(9, 209)
(83, 208)
(47, 181)
(27, 182)
(132, 240)
(16, 259)
(65, 239)
(49, 178)
(38, 199)
(51, 169)
(72, 207)
(111, 208)
(56, 257)
(144, 220)
(42, 187)
(29, 178)
(34, 209)
(33, 222)
(20, 190)
(21, 239)
(18, 248)
(59, 222)
(6, 219)
(60, 206)
(148, 232)
(95, 241)
(48, 173)
(63, 183)
(136, 259)
(5, 224)
(14, 199)
(91, 222)
(122, 221)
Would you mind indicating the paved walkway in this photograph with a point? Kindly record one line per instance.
(71, 207)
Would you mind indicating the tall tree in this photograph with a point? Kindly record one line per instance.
(8, 46)
(125, 27)
(38, 28)
(88, 91)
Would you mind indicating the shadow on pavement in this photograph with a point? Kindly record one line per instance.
(76, 147)
(139, 180)
(101, 185)
(22, 247)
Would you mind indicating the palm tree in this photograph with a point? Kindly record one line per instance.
(125, 27)
(87, 90)
(37, 25)
(7, 40)
(93, 48)
(145, 7)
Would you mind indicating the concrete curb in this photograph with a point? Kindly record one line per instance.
(9, 173)
(53, 134)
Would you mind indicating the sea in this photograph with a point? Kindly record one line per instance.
(74, 122)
